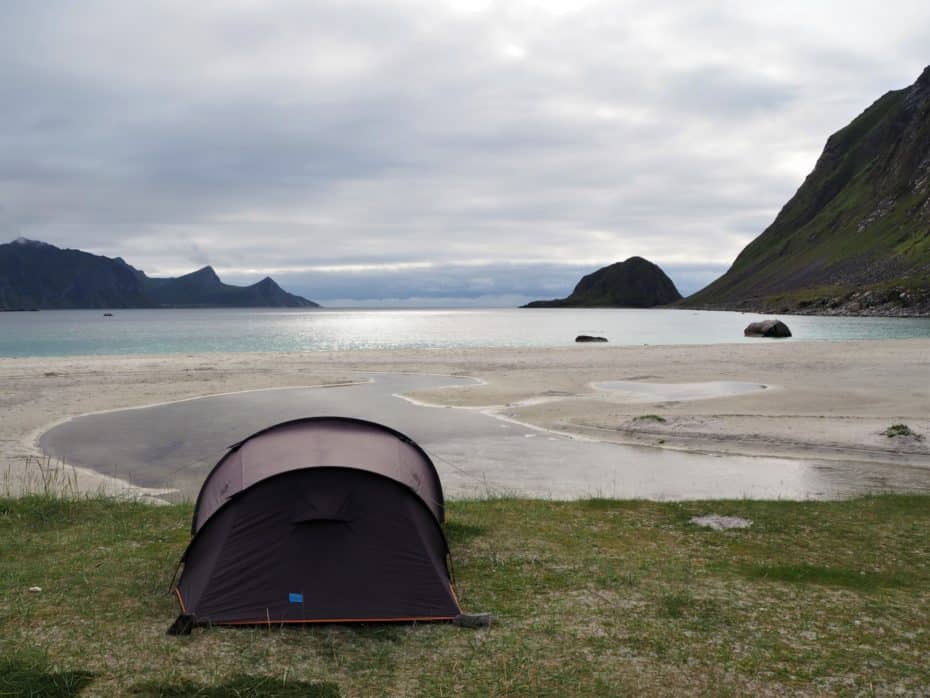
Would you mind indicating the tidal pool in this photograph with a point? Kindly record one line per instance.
(174, 445)
(636, 391)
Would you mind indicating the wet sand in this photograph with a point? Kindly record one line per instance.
(823, 410)
(643, 391)
(173, 446)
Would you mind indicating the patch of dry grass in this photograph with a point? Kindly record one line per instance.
(597, 597)
(39, 476)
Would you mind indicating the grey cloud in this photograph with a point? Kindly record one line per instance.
(727, 92)
(290, 135)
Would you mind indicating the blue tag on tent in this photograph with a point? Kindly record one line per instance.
(295, 598)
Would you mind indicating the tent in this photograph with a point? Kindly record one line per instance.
(316, 520)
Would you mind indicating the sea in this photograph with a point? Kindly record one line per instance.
(180, 331)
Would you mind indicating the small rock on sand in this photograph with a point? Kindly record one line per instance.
(721, 523)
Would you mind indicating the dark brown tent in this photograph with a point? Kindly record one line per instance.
(324, 519)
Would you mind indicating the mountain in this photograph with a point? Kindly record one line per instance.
(38, 275)
(855, 238)
(204, 288)
(635, 283)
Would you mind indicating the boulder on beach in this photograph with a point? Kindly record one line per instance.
(767, 328)
(589, 338)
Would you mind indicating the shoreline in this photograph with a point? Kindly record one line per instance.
(831, 401)
(884, 311)
(890, 313)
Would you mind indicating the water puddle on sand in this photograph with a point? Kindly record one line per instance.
(634, 391)
(174, 445)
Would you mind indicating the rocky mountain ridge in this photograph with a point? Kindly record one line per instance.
(35, 274)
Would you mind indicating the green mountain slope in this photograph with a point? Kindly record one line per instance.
(635, 283)
(856, 235)
(38, 275)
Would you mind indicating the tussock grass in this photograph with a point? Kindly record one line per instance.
(41, 476)
(901, 430)
(596, 597)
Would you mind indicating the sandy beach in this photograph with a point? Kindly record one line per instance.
(821, 400)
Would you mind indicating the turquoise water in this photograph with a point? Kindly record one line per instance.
(83, 332)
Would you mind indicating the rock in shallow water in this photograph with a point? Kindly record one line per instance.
(767, 328)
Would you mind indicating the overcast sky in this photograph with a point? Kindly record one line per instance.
(428, 152)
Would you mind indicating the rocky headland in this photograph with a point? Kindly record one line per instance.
(634, 283)
(855, 238)
(36, 275)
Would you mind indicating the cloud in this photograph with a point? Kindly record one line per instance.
(560, 136)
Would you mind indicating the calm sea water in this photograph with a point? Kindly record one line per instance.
(81, 332)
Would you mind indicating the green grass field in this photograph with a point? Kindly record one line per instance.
(597, 597)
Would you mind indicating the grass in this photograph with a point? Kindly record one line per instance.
(29, 675)
(43, 476)
(832, 576)
(900, 430)
(595, 597)
(650, 418)
(240, 687)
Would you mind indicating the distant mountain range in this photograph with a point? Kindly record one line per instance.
(855, 238)
(635, 283)
(38, 275)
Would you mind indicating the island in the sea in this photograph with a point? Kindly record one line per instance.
(635, 283)
(37, 275)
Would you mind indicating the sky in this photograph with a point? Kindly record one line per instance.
(435, 153)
